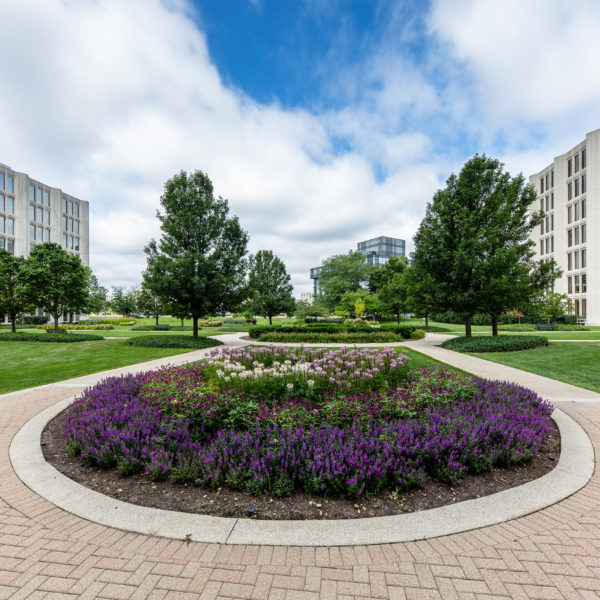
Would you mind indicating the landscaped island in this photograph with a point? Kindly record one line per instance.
(341, 423)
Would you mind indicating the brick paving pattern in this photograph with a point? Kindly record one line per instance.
(47, 553)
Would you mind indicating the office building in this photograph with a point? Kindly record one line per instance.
(568, 192)
(377, 252)
(32, 212)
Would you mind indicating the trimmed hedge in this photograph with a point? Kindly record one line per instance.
(125, 321)
(77, 327)
(48, 336)
(35, 319)
(324, 331)
(500, 343)
(376, 336)
(173, 341)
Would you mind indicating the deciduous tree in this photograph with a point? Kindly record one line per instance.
(14, 297)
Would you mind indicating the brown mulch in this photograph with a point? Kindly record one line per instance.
(225, 502)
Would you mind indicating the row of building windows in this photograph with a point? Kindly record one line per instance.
(39, 214)
(549, 202)
(574, 163)
(70, 208)
(70, 225)
(576, 260)
(577, 211)
(7, 225)
(7, 204)
(38, 233)
(7, 183)
(39, 195)
(573, 284)
(548, 179)
(580, 309)
(7, 244)
(547, 224)
(547, 245)
(576, 235)
(576, 187)
(70, 242)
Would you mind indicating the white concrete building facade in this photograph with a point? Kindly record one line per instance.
(32, 212)
(568, 191)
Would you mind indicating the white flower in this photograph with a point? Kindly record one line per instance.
(310, 383)
(290, 386)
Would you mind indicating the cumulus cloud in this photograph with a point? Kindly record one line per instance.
(107, 99)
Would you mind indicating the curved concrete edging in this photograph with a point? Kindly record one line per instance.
(573, 471)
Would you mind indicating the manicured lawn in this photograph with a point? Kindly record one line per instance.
(25, 364)
(574, 363)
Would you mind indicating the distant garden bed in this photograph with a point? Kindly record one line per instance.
(49, 336)
(173, 341)
(281, 422)
(496, 343)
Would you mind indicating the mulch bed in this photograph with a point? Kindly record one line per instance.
(224, 502)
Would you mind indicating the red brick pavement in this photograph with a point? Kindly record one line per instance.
(47, 553)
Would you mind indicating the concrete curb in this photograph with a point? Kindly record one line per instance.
(573, 471)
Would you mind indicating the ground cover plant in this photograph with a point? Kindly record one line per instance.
(173, 341)
(501, 343)
(49, 336)
(344, 422)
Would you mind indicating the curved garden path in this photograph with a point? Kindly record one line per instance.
(48, 553)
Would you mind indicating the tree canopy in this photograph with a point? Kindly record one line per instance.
(14, 293)
(340, 274)
(269, 287)
(474, 241)
(57, 281)
(198, 264)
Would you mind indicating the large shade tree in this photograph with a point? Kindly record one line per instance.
(57, 282)
(198, 264)
(269, 287)
(474, 241)
(14, 296)
(340, 274)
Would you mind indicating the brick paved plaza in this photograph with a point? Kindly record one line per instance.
(47, 553)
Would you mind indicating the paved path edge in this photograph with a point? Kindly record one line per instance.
(574, 470)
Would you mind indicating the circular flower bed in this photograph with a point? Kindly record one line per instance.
(347, 422)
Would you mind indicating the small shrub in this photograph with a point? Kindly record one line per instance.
(49, 337)
(500, 343)
(173, 341)
(77, 327)
(210, 323)
(35, 319)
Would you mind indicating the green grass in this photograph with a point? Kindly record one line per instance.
(27, 364)
(574, 363)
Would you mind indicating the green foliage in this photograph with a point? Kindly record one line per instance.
(384, 274)
(501, 343)
(269, 287)
(198, 265)
(553, 305)
(35, 319)
(474, 242)
(56, 281)
(123, 301)
(340, 274)
(77, 327)
(307, 311)
(393, 296)
(358, 304)
(173, 341)
(49, 336)
(149, 303)
(97, 295)
(14, 293)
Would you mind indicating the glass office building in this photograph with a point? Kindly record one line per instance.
(380, 249)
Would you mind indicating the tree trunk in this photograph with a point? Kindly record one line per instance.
(156, 317)
(270, 320)
(426, 320)
(182, 321)
(398, 318)
(494, 324)
(56, 323)
(195, 320)
(13, 322)
(468, 326)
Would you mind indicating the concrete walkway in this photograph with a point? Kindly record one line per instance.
(48, 553)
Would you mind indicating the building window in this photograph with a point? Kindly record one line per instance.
(552, 222)
(576, 229)
(547, 245)
(570, 261)
(583, 184)
(569, 285)
(10, 227)
(583, 258)
(541, 185)
(576, 210)
(583, 159)
(583, 231)
(552, 244)
(576, 259)
(10, 184)
(570, 167)
(569, 219)
(583, 283)
(64, 240)
(542, 227)
(552, 178)
(76, 210)
(569, 238)
(31, 193)
(583, 209)
(541, 247)
(547, 180)
(577, 162)
(64, 205)
(552, 199)
(46, 198)
(576, 304)
(31, 232)
(76, 224)
(576, 188)
(583, 307)
(1, 181)
(569, 190)
(576, 286)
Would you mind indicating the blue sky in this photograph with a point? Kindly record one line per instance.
(323, 122)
